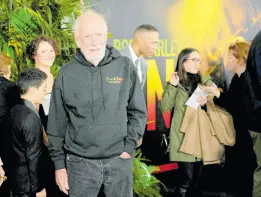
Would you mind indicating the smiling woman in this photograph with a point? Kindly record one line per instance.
(43, 51)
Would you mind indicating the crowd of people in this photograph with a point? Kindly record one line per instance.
(76, 134)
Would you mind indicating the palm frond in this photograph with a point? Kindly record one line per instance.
(44, 25)
(144, 183)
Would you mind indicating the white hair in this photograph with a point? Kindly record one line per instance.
(86, 13)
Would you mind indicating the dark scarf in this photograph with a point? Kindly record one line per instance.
(191, 83)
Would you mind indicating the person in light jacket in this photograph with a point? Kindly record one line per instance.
(182, 84)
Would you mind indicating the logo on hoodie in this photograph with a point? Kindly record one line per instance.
(114, 79)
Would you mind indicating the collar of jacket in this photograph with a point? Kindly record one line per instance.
(179, 85)
(31, 106)
(110, 54)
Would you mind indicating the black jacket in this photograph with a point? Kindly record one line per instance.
(22, 144)
(96, 112)
(253, 82)
(234, 101)
(9, 96)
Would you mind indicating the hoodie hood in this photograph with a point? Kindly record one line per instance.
(110, 54)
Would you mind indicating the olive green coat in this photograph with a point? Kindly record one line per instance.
(175, 97)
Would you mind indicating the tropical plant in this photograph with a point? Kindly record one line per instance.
(23, 20)
(144, 183)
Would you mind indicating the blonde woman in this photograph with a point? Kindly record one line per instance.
(240, 158)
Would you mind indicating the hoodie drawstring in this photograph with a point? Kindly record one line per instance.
(102, 83)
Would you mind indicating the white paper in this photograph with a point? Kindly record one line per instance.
(192, 101)
(46, 104)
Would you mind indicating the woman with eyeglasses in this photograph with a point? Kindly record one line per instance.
(239, 164)
(182, 84)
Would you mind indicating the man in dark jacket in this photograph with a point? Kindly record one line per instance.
(23, 137)
(253, 97)
(97, 114)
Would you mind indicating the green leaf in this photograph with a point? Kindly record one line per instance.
(44, 25)
(49, 15)
(144, 183)
(55, 70)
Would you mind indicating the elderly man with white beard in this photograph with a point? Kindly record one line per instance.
(97, 114)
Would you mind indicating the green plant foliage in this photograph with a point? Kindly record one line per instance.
(144, 183)
(23, 20)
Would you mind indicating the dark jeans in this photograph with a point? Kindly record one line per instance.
(87, 176)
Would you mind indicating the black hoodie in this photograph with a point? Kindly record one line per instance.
(96, 112)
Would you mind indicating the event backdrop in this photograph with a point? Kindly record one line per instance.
(202, 24)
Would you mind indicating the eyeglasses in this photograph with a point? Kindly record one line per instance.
(195, 60)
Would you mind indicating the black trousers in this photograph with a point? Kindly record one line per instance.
(189, 179)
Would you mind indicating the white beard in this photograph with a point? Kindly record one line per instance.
(97, 59)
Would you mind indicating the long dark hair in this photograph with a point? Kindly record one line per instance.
(187, 80)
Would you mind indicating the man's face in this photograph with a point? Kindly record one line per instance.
(92, 38)
(39, 93)
(148, 42)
